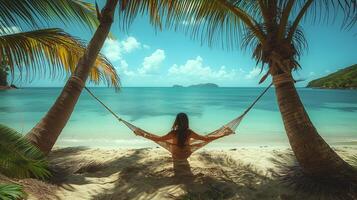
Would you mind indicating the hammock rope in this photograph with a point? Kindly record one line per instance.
(106, 107)
(225, 130)
(256, 100)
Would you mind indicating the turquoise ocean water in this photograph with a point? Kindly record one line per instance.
(334, 113)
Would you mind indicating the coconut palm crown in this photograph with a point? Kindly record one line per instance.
(31, 50)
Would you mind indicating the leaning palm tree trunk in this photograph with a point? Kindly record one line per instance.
(46, 132)
(314, 155)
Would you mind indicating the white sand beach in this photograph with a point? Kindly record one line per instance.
(88, 173)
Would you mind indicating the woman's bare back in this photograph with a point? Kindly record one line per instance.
(193, 141)
(181, 152)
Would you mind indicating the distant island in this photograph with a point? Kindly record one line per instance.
(177, 86)
(342, 79)
(202, 85)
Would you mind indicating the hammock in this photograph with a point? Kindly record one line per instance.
(194, 144)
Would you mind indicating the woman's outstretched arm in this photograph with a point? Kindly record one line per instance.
(207, 138)
(199, 137)
(145, 134)
(153, 137)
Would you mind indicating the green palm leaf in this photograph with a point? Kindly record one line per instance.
(50, 52)
(19, 158)
(226, 22)
(35, 12)
(211, 21)
(11, 192)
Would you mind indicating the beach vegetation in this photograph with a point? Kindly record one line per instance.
(19, 158)
(11, 192)
(342, 79)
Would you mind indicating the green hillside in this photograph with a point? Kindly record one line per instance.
(344, 78)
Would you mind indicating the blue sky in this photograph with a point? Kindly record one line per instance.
(145, 57)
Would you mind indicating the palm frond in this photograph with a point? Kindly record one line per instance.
(210, 21)
(11, 192)
(50, 52)
(32, 13)
(324, 11)
(19, 158)
(298, 41)
(284, 19)
(264, 54)
(298, 18)
(130, 9)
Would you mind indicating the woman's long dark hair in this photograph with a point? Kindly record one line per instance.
(180, 127)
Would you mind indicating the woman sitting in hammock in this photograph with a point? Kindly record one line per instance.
(181, 141)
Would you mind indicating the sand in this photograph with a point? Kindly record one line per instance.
(88, 173)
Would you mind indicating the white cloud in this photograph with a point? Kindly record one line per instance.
(241, 70)
(152, 63)
(130, 44)
(114, 49)
(124, 68)
(253, 73)
(195, 68)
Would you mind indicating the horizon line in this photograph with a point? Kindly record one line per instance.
(156, 87)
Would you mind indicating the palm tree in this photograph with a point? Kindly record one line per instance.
(50, 51)
(46, 132)
(271, 29)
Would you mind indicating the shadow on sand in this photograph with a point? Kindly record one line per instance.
(83, 173)
(138, 176)
(335, 187)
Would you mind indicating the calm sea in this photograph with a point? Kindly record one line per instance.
(334, 113)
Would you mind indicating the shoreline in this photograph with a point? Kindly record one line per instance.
(217, 145)
(209, 148)
(148, 173)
